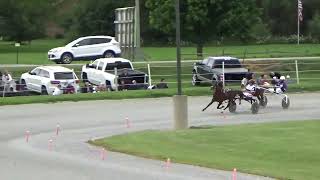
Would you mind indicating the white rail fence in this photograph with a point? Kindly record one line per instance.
(156, 71)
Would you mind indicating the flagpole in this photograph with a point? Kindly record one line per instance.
(298, 18)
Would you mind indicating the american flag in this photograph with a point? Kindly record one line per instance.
(300, 9)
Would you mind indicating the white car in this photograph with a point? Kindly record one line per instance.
(86, 48)
(45, 79)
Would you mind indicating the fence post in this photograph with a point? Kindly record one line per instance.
(116, 78)
(223, 74)
(3, 91)
(297, 72)
(149, 73)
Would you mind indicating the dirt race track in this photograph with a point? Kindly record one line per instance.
(72, 158)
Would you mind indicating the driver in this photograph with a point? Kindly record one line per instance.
(250, 88)
(281, 86)
(245, 80)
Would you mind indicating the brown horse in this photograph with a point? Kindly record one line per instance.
(220, 95)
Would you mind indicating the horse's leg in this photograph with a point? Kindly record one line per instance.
(212, 101)
(218, 107)
(228, 104)
(241, 97)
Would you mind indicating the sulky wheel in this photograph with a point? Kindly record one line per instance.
(264, 101)
(285, 103)
(233, 107)
(255, 108)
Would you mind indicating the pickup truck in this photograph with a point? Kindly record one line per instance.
(113, 72)
(210, 70)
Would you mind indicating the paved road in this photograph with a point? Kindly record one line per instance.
(72, 158)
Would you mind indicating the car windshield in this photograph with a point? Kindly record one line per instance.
(232, 63)
(118, 65)
(63, 75)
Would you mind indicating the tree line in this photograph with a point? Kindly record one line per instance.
(203, 21)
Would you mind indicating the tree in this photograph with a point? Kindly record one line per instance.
(260, 32)
(23, 20)
(95, 17)
(314, 27)
(202, 20)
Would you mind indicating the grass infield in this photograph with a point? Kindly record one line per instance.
(288, 150)
(36, 52)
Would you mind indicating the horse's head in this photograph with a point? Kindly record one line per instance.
(217, 85)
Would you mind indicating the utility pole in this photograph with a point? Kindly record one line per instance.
(178, 44)
(180, 102)
(137, 25)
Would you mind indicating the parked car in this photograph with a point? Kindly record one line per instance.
(102, 71)
(86, 48)
(45, 79)
(210, 70)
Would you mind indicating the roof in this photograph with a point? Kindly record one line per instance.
(222, 57)
(85, 37)
(56, 68)
(113, 60)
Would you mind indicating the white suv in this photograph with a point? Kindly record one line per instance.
(86, 48)
(45, 79)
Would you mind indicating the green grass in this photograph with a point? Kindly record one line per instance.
(244, 51)
(36, 52)
(287, 150)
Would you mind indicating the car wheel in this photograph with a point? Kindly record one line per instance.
(108, 54)
(44, 90)
(23, 87)
(195, 80)
(23, 84)
(85, 77)
(108, 86)
(66, 58)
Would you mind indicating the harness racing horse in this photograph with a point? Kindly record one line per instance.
(220, 96)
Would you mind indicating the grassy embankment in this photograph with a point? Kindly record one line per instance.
(287, 150)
